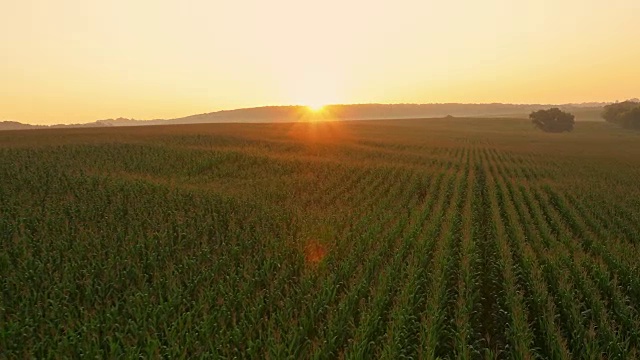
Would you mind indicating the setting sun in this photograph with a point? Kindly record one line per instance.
(315, 107)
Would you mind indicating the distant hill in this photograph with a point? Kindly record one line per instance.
(583, 112)
(14, 125)
(381, 111)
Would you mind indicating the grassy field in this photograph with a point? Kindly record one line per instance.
(462, 238)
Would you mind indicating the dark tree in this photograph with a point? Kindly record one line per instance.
(625, 114)
(553, 120)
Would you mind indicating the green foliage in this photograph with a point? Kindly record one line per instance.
(406, 239)
(625, 114)
(552, 120)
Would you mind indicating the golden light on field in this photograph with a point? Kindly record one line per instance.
(79, 61)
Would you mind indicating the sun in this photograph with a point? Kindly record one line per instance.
(315, 107)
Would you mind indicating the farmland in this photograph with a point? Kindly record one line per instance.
(451, 238)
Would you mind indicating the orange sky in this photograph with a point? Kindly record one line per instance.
(78, 61)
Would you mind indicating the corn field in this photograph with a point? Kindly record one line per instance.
(424, 239)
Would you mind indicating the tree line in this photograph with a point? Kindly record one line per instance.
(625, 114)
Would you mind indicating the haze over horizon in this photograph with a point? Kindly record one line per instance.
(78, 61)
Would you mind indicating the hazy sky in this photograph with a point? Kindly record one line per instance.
(83, 60)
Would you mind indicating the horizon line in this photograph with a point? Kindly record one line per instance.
(595, 103)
